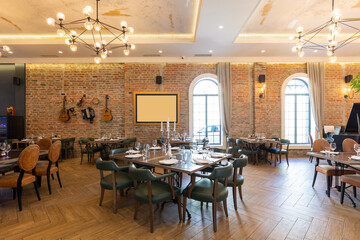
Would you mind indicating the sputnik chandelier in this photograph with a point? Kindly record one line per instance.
(6, 49)
(304, 40)
(97, 29)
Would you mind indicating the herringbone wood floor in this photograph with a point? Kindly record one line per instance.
(279, 203)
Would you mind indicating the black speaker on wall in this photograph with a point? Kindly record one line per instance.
(158, 79)
(348, 78)
(17, 81)
(261, 78)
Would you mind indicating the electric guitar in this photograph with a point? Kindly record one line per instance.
(106, 113)
(64, 113)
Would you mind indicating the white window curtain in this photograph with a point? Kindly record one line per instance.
(316, 73)
(223, 71)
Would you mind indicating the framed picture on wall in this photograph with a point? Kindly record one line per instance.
(152, 108)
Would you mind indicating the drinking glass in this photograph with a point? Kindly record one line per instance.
(7, 149)
(137, 146)
(327, 150)
(147, 147)
(333, 146)
(2, 148)
(357, 149)
(154, 143)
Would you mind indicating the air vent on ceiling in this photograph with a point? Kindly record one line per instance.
(49, 56)
(203, 55)
(151, 55)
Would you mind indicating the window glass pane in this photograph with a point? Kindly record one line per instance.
(199, 117)
(297, 86)
(206, 86)
(213, 111)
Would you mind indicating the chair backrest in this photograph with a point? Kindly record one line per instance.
(348, 145)
(140, 174)
(285, 142)
(118, 150)
(54, 151)
(44, 143)
(240, 162)
(311, 140)
(108, 165)
(29, 157)
(320, 145)
(70, 141)
(129, 142)
(222, 172)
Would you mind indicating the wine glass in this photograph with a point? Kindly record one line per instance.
(7, 149)
(357, 149)
(154, 143)
(137, 146)
(2, 148)
(333, 146)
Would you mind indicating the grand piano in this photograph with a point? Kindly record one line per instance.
(352, 129)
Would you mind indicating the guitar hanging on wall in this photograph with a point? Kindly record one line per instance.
(64, 113)
(106, 114)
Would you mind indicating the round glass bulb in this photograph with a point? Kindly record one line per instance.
(87, 11)
(333, 43)
(132, 46)
(60, 16)
(60, 32)
(88, 25)
(329, 53)
(6, 48)
(299, 29)
(73, 33)
(73, 47)
(126, 52)
(97, 44)
(333, 59)
(131, 29)
(294, 49)
(301, 53)
(97, 26)
(97, 60)
(50, 21)
(0, 54)
(67, 41)
(291, 37)
(103, 42)
(103, 55)
(123, 24)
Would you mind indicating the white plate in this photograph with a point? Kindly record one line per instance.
(155, 148)
(201, 161)
(134, 156)
(132, 152)
(217, 155)
(175, 148)
(356, 158)
(332, 153)
(168, 161)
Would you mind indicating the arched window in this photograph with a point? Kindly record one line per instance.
(206, 120)
(297, 111)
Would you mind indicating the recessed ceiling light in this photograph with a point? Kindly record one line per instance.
(263, 51)
(315, 50)
(60, 52)
(221, 27)
(210, 51)
(160, 51)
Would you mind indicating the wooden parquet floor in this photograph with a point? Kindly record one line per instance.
(279, 203)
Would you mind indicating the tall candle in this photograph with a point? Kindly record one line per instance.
(162, 126)
(168, 125)
(174, 126)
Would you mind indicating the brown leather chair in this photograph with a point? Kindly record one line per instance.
(44, 143)
(328, 170)
(348, 145)
(352, 180)
(311, 144)
(26, 162)
(47, 168)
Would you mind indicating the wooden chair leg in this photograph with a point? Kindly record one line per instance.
(342, 192)
(354, 191)
(184, 208)
(180, 179)
(179, 207)
(48, 182)
(225, 207)
(287, 159)
(14, 193)
(122, 193)
(58, 177)
(19, 192)
(115, 200)
(151, 217)
(102, 191)
(280, 157)
(201, 204)
(81, 158)
(214, 215)
(275, 159)
(234, 197)
(240, 192)
(315, 175)
(136, 209)
(328, 183)
(52, 176)
(36, 190)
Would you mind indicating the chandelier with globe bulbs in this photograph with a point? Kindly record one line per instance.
(97, 29)
(304, 40)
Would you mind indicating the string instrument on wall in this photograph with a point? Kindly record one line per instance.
(106, 113)
(10, 111)
(81, 101)
(64, 113)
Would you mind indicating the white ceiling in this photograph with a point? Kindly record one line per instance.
(180, 28)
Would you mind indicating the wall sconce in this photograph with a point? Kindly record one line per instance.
(349, 93)
(262, 92)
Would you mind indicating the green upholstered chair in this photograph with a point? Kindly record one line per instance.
(87, 148)
(209, 189)
(281, 148)
(118, 150)
(268, 148)
(236, 180)
(117, 180)
(67, 146)
(232, 146)
(247, 150)
(84, 148)
(152, 190)
(130, 142)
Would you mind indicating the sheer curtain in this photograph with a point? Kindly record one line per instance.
(316, 73)
(223, 71)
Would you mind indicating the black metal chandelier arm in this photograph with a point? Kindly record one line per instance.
(350, 26)
(315, 44)
(79, 35)
(321, 27)
(116, 36)
(346, 43)
(109, 26)
(85, 44)
(349, 20)
(309, 40)
(320, 47)
(76, 21)
(121, 46)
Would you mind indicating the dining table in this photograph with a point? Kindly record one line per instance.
(107, 145)
(10, 162)
(258, 144)
(340, 160)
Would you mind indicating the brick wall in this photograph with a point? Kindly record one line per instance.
(46, 82)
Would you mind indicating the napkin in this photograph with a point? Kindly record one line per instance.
(132, 152)
(201, 160)
(354, 157)
(155, 148)
(134, 156)
(168, 161)
(175, 148)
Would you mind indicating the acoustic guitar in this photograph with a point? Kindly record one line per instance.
(106, 113)
(64, 113)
